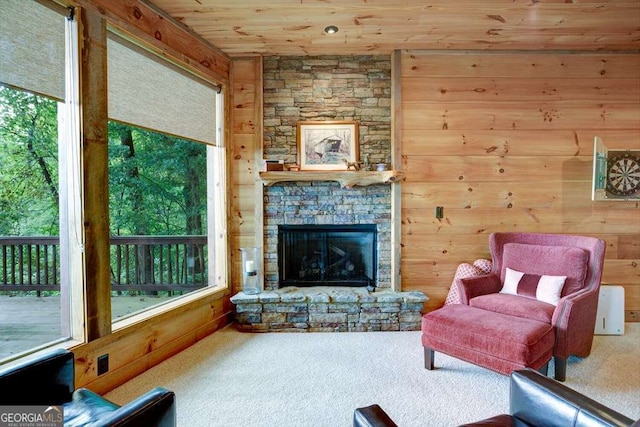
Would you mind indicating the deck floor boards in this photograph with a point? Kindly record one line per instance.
(29, 321)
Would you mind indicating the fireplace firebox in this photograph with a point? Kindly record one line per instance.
(327, 255)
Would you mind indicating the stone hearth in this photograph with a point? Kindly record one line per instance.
(329, 309)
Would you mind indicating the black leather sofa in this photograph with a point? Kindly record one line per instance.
(50, 380)
(534, 400)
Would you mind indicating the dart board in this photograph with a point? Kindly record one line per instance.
(623, 173)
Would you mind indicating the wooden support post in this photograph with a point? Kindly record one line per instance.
(93, 71)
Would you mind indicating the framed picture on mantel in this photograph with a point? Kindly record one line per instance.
(327, 145)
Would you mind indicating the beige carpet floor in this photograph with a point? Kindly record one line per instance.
(317, 379)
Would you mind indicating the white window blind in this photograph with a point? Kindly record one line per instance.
(150, 92)
(32, 45)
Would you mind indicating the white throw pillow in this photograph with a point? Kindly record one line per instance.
(543, 288)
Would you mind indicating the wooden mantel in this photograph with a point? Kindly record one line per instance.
(347, 179)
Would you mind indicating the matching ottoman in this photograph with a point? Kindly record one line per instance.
(492, 340)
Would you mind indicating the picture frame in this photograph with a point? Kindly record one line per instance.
(327, 145)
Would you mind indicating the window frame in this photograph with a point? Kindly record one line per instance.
(217, 199)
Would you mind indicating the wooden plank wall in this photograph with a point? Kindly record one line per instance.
(504, 142)
(137, 348)
(245, 225)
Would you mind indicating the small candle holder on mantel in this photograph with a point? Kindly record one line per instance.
(251, 264)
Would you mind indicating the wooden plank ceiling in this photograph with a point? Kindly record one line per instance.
(295, 27)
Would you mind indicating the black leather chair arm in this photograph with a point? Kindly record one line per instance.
(156, 408)
(43, 380)
(87, 409)
(538, 400)
(49, 380)
(372, 416)
(535, 400)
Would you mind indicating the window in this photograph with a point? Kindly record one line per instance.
(167, 178)
(39, 153)
(165, 155)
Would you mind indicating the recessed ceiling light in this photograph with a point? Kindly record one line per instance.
(331, 29)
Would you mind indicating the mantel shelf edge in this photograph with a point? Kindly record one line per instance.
(347, 179)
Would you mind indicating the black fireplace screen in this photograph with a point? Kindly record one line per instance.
(330, 255)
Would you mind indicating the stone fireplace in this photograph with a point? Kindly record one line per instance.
(324, 205)
(354, 87)
(339, 306)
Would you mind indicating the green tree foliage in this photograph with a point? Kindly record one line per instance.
(157, 187)
(28, 164)
(157, 183)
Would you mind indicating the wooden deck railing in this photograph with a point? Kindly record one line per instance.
(29, 264)
(158, 263)
(138, 263)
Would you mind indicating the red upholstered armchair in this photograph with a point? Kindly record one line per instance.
(572, 311)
